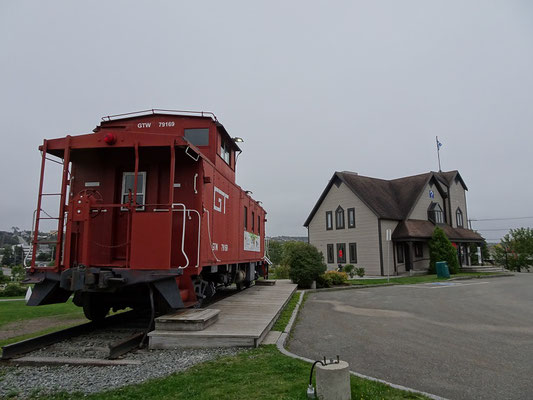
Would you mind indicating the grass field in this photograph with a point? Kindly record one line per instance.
(262, 373)
(12, 311)
(409, 280)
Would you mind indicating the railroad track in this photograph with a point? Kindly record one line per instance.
(122, 333)
(106, 341)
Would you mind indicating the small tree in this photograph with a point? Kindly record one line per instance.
(4, 278)
(441, 249)
(275, 251)
(18, 273)
(8, 258)
(306, 263)
(515, 250)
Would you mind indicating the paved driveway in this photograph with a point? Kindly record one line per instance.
(469, 340)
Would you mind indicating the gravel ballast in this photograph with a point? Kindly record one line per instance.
(27, 380)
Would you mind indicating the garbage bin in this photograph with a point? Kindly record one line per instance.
(442, 269)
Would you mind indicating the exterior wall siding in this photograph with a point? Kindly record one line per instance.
(365, 234)
(458, 199)
(420, 211)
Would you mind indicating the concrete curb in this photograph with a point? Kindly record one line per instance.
(349, 287)
(465, 278)
(280, 344)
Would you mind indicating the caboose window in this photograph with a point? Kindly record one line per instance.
(258, 224)
(245, 218)
(253, 219)
(197, 136)
(225, 151)
(128, 183)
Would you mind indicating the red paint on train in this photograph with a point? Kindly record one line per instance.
(149, 208)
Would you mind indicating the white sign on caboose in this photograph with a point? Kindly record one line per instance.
(252, 242)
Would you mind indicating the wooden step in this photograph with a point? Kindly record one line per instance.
(187, 320)
(265, 282)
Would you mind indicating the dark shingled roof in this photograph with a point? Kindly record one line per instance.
(420, 229)
(392, 199)
(396, 198)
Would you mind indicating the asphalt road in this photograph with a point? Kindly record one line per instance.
(469, 340)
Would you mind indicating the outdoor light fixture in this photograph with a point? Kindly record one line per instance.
(237, 139)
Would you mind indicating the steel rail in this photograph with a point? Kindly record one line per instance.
(125, 346)
(28, 345)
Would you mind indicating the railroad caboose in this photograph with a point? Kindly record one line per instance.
(149, 215)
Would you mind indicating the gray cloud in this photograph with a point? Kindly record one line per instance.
(313, 87)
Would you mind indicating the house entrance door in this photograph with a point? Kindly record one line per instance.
(407, 251)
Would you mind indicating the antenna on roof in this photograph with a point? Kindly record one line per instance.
(439, 144)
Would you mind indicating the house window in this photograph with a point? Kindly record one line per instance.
(353, 253)
(253, 220)
(329, 220)
(331, 258)
(399, 252)
(351, 217)
(198, 137)
(459, 218)
(339, 218)
(245, 218)
(419, 250)
(341, 253)
(225, 151)
(258, 224)
(128, 183)
(435, 213)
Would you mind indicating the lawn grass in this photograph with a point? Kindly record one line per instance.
(263, 373)
(285, 315)
(407, 280)
(12, 311)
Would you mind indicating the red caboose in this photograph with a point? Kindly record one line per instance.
(149, 215)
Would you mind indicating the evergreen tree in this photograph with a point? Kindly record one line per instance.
(441, 249)
(8, 259)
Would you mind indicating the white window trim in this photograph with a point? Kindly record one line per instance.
(459, 214)
(142, 192)
(225, 151)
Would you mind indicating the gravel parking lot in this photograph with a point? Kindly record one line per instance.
(467, 340)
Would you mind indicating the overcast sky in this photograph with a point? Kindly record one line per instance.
(312, 87)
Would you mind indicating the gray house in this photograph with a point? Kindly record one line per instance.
(385, 225)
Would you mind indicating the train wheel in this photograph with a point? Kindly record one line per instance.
(94, 310)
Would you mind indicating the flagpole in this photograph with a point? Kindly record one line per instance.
(438, 151)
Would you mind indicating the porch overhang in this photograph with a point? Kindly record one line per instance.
(419, 230)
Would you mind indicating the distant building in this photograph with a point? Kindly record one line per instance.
(353, 216)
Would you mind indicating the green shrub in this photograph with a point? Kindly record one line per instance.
(349, 269)
(337, 278)
(360, 271)
(280, 272)
(441, 249)
(305, 263)
(12, 289)
(324, 281)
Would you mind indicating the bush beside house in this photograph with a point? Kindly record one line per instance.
(441, 249)
(305, 263)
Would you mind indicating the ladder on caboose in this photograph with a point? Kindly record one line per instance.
(35, 242)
